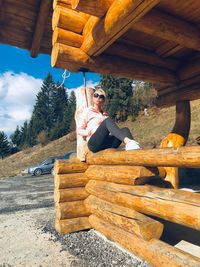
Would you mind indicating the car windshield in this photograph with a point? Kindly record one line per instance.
(48, 161)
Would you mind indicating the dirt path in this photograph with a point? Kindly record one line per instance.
(23, 241)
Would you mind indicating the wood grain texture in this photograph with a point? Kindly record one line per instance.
(45, 8)
(156, 252)
(170, 28)
(63, 56)
(117, 21)
(68, 19)
(70, 180)
(64, 167)
(68, 210)
(170, 204)
(66, 37)
(125, 218)
(72, 225)
(188, 157)
(70, 194)
(96, 8)
(132, 175)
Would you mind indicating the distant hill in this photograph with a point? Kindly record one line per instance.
(148, 130)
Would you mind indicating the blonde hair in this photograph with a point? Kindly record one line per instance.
(101, 91)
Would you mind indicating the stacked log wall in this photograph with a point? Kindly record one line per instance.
(114, 200)
(69, 194)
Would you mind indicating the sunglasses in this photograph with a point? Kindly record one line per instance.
(99, 96)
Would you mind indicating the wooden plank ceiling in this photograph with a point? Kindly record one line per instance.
(157, 41)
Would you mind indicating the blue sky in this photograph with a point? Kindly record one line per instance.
(20, 80)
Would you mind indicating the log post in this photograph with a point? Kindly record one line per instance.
(178, 137)
(83, 100)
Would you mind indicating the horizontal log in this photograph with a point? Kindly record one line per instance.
(188, 157)
(190, 69)
(68, 19)
(92, 21)
(190, 93)
(65, 3)
(64, 167)
(68, 210)
(70, 194)
(170, 28)
(168, 49)
(72, 225)
(132, 175)
(66, 37)
(182, 85)
(96, 8)
(63, 181)
(125, 218)
(63, 56)
(141, 55)
(169, 204)
(156, 252)
(118, 20)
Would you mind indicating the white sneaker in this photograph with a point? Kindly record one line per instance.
(132, 144)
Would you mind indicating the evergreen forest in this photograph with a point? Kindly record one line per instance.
(54, 109)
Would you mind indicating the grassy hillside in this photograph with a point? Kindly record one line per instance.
(148, 130)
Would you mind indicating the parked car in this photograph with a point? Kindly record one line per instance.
(67, 156)
(43, 167)
(47, 166)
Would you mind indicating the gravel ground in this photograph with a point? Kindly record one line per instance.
(28, 237)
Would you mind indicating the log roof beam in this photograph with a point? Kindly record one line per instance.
(118, 19)
(191, 69)
(64, 56)
(96, 8)
(141, 55)
(168, 49)
(43, 15)
(66, 3)
(170, 28)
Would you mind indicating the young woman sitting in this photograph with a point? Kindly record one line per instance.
(100, 131)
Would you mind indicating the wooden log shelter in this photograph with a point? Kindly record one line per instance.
(150, 40)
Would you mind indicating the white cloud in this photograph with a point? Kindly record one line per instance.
(17, 97)
(90, 84)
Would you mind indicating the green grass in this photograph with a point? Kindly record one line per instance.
(148, 130)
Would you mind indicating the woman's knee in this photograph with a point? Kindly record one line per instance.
(126, 132)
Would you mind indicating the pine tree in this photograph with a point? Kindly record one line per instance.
(70, 113)
(16, 137)
(119, 91)
(4, 145)
(42, 113)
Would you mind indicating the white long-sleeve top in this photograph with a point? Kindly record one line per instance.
(90, 121)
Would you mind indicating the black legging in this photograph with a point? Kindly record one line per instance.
(108, 135)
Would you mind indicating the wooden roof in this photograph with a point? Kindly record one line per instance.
(151, 40)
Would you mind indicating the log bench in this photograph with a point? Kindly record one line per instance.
(109, 192)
